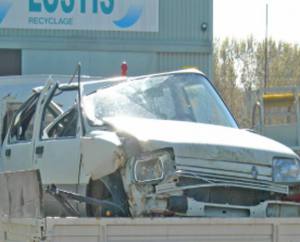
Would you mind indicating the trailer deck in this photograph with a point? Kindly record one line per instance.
(147, 229)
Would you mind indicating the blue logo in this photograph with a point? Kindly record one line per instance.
(4, 8)
(133, 15)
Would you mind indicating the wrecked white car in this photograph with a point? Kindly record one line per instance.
(157, 145)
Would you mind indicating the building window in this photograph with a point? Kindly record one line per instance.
(10, 62)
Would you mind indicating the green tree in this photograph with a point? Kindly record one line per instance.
(247, 63)
(239, 69)
(225, 75)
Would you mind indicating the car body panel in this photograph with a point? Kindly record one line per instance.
(58, 159)
(196, 140)
(14, 147)
(102, 154)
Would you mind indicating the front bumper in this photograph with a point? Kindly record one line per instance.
(192, 208)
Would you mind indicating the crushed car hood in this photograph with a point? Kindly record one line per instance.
(195, 140)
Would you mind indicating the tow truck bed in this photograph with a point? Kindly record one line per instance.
(158, 229)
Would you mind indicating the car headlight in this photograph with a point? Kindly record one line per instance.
(150, 168)
(286, 170)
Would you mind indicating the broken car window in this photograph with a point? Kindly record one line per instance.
(66, 126)
(179, 97)
(22, 126)
(60, 115)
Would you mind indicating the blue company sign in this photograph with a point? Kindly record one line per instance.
(4, 8)
(110, 15)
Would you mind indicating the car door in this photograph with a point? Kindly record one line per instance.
(57, 146)
(17, 148)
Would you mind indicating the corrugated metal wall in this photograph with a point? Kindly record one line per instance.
(169, 60)
(179, 42)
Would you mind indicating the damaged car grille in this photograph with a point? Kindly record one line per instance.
(215, 180)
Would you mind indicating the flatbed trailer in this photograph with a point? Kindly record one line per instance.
(147, 229)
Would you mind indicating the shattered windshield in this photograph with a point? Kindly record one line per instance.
(179, 97)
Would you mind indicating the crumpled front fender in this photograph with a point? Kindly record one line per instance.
(102, 154)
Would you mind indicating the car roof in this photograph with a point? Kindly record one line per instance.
(123, 79)
(88, 80)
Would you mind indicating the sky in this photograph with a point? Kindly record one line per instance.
(242, 18)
